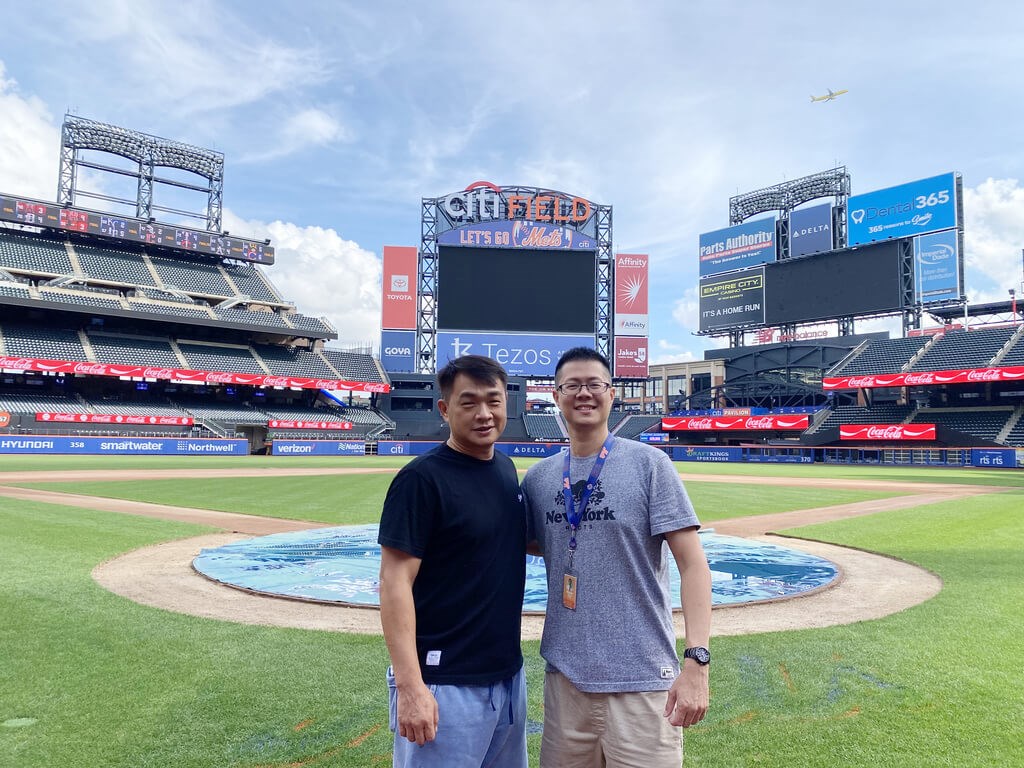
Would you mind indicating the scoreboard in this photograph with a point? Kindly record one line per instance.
(35, 213)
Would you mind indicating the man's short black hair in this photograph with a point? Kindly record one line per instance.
(480, 369)
(582, 353)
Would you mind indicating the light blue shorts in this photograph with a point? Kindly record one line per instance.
(478, 726)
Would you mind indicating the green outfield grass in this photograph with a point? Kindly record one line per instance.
(112, 683)
(357, 499)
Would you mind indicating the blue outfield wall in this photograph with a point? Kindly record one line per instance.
(134, 446)
(516, 450)
(318, 448)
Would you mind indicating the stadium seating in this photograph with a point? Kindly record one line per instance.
(42, 343)
(28, 253)
(305, 323)
(634, 424)
(353, 366)
(984, 423)
(115, 266)
(192, 277)
(90, 298)
(288, 361)
(964, 349)
(120, 407)
(241, 315)
(1015, 436)
(1015, 355)
(216, 357)
(881, 356)
(251, 282)
(884, 413)
(225, 413)
(30, 402)
(543, 426)
(129, 351)
(164, 308)
(15, 291)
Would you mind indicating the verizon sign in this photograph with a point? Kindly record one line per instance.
(925, 378)
(734, 423)
(13, 364)
(887, 432)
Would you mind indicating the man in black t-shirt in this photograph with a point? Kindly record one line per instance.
(453, 570)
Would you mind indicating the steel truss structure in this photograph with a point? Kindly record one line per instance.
(435, 220)
(79, 134)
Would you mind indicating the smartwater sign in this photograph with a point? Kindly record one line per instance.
(398, 351)
(926, 205)
(810, 230)
(521, 354)
(937, 266)
(744, 245)
(318, 448)
(164, 446)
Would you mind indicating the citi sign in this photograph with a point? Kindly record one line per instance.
(483, 200)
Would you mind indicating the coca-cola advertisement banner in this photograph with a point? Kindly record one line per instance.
(186, 375)
(398, 300)
(887, 432)
(291, 424)
(108, 418)
(925, 378)
(734, 423)
(631, 294)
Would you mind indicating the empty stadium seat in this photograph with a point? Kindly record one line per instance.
(964, 349)
(33, 253)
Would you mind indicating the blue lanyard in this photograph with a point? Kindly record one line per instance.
(573, 515)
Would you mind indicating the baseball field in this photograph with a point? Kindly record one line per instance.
(114, 653)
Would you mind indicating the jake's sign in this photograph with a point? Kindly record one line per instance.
(483, 200)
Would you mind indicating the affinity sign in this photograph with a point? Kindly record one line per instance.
(631, 317)
(521, 354)
(926, 205)
(744, 245)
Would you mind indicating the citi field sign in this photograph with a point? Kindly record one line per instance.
(483, 200)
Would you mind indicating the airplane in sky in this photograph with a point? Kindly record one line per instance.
(831, 95)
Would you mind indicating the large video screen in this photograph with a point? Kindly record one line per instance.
(844, 283)
(506, 289)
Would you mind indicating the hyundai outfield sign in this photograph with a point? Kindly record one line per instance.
(920, 207)
(521, 354)
(398, 351)
(124, 446)
(744, 245)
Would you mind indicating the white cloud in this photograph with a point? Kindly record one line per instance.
(323, 274)
(29, 144)
(308, 129)
(994, 236)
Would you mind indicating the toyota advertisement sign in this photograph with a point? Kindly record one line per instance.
(916, 208)
(398, 289)
(521, 354)
(744, 245)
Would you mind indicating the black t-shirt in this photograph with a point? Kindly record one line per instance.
(465, 519)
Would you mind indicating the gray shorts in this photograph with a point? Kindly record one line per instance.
(478, 726)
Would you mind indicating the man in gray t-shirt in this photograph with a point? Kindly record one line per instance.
(614, 688)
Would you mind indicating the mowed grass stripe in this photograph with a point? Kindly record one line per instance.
(114, 683)
(357, 499)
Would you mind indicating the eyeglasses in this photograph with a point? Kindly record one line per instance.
(593, 387)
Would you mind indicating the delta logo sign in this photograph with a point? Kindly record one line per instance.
(925, 378)
(735, 423)
(887, 432)
(483, 200)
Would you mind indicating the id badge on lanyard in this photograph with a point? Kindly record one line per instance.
(570, 581)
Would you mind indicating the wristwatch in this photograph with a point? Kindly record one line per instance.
(699, 653)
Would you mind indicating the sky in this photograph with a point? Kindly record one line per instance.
(336, 118)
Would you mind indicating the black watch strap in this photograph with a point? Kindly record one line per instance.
(698, 653)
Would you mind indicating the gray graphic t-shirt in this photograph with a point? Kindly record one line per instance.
(620, 637)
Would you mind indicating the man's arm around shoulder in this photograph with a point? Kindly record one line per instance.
(689, 696)
(417, 707)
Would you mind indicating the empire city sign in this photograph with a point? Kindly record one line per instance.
(483, 200)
